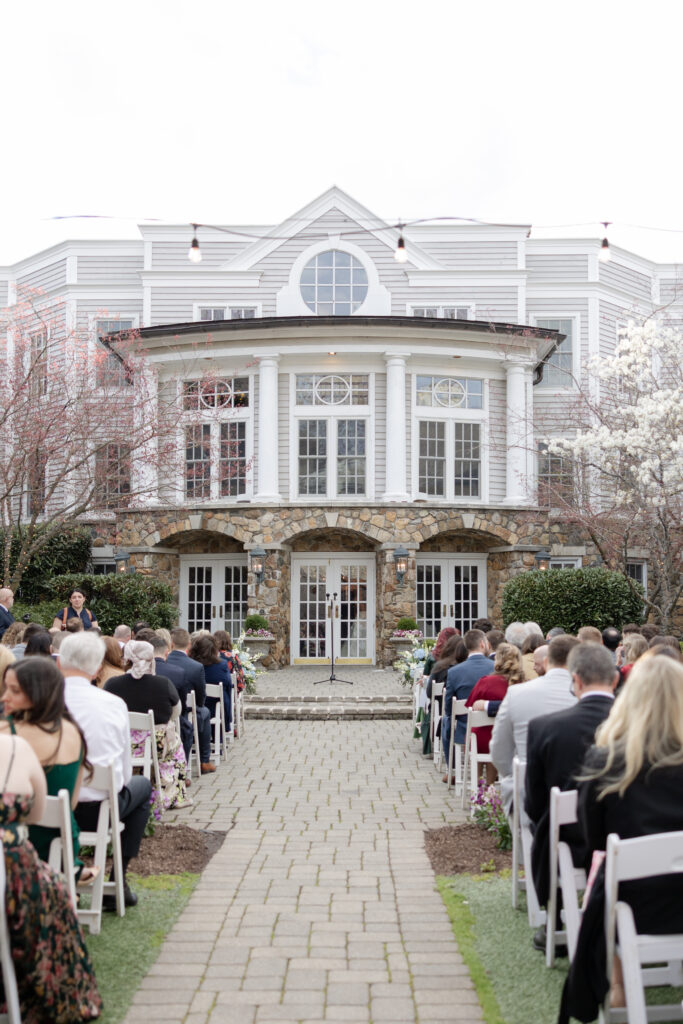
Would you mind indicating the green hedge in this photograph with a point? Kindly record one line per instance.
(572, 598)
(68, 551)
(119, 598)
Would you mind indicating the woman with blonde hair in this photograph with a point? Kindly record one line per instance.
(631, 785)
(508, 670)
(634, 648)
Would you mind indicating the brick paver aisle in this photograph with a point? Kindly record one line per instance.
(320, 905)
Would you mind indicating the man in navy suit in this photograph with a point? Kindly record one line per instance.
(6, 617)
(460, 682)
(556, 746)
(193, 679)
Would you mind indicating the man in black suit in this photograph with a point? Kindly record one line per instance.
(556, 747)
(6, 617)
(177, 676)
(192, 679)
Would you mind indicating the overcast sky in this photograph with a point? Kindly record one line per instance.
(236, 112)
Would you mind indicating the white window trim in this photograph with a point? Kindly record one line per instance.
(93, 320)
(435, 412)
(330, 412)
(226, 307)
(639, 561)
(576, 562)
(440, 306)
(537, 476)
(576, 351)
(447, 560)
(214, 418)
(289, 300)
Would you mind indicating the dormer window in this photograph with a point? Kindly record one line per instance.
(334, 283)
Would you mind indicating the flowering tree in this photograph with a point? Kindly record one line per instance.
(628, 442)
(81, 428)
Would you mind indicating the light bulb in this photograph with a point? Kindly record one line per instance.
(401, 256)
(194, 255)
(604, 255)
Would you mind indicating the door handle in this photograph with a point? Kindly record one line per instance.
(213, 611)
(220, 611)
(444, 611)
(451, 611)
(336, 612)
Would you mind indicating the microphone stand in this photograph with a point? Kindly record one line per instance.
(333, 606)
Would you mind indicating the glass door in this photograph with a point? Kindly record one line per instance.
(333, 602)
(451, 591)
(213, 593)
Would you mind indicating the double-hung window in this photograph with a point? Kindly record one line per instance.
(112, 476)
(559, 365)
(110, 369)
(39, 363)
(445, 312)
(332, 430)
(217, 438)
(556, 477)
(450, 429)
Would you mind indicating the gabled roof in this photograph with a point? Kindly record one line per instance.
(333, 199)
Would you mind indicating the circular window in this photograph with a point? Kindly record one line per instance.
(449, 392)
(334, 283)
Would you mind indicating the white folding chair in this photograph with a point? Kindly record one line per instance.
(108, 831)
(57, 814)
(456, 757)
(143, 721)
(220, 732)
(238, 715)
(628, 860)
(475, 720)
(191, 705)
(521, 849)
(437, 748)
(562, 812)
(9, 977)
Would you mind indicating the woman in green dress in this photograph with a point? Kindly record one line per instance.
(35, 710)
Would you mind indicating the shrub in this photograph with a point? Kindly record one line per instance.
(572, 598)
(406, 622)
(119, 597)
(68, 551)
(43, 612)
(256, 622)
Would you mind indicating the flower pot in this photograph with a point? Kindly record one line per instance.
(258, 647)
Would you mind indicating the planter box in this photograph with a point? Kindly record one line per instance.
(400, 645)
(257, 646)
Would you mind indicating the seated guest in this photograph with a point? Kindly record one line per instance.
(39, 645)
(193, 679)
(143, 690)
(175, 673)
(460, 683)
(6, 658)
(138, 627)
(231, 658)
(556, 746)
(649, 631)
(112, 665)
(485, 625)
(55, 979)
(35, 709)
(631, 786)
(29, 630)
(205, 650)
(555, 631)
(550, 692)
(453, 652)
(122, 634)
(6, 603)
(507, 671)
(529, 646)
(516, 633)
(495, 637)
(103, 719)
(13, 635)
(436, 652)
(589, 635)
(633, 649)
(611, 638)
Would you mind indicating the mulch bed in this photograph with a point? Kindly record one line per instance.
(176, 848)
(464, 850)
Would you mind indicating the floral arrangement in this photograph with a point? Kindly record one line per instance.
(257, 634)
(407, 634)
(409, 664)
(487, 808)
(251, 672)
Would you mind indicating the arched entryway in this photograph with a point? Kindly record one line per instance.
(212, 580)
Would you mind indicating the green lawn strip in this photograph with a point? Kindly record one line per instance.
(127, 947)
(513, 984)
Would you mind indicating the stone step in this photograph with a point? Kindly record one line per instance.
(334, 698)
(326, 710)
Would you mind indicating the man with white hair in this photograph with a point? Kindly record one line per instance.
(6, 617)
(103, 719)
(122, 635)
(515, 634)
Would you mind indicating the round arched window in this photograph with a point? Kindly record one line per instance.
(334, 283)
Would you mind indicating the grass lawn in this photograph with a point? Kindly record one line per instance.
(512, 981)
(126, 947)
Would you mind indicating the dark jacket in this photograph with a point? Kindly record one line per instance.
(6, 620)
(193, 677)
(556, 747)
(460, 682)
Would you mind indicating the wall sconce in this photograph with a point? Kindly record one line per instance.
(122, 558)
(542, 560)
(401, 563)
(258, 564)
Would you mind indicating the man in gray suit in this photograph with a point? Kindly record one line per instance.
(542, 696)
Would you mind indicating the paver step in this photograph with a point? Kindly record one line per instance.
(335, 698)
(324, 710)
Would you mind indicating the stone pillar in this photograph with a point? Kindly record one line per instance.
(396, 429)
(267, 452)
(518, 436)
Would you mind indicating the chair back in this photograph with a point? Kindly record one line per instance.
(194, 758)
(57, 814)
(218, 723)
(108, 831)
(562, 812)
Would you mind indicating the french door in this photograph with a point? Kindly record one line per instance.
(319, 619)
(451, 591)
(213, 593)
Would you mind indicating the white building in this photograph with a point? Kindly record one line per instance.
(357, 405)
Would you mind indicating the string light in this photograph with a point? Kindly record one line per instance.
(605, 254)
(195, 255)
(400, 255)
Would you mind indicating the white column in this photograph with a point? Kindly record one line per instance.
(518, 437)
(148, 424)
(396, 429)
(267, 451)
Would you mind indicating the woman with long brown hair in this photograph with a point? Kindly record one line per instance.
(508, 670)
